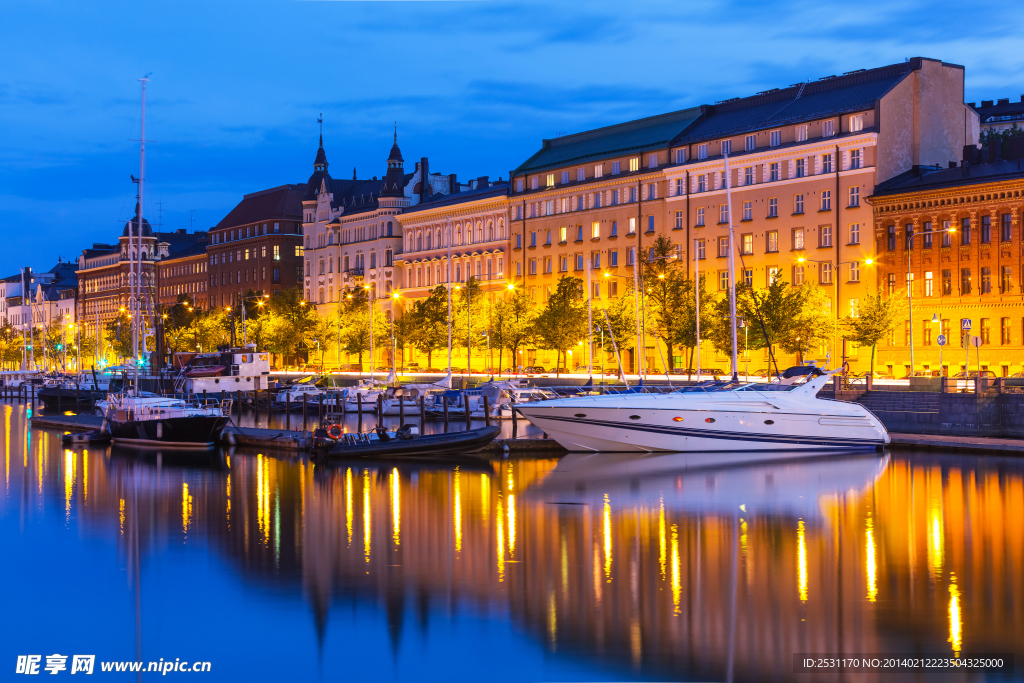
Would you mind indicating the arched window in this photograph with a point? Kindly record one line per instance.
(389, 228)
(330, 294)
(321, 295)
(437, 237)
(480, 231)
(458, 236)
(419, 241)
(458, 272)
(490, 230)
(330, 238)
(469, 234)
(428, 239)
(501, 229)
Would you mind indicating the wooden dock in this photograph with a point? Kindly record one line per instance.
(67, 423)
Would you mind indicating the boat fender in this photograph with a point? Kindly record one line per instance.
(334, 431)
(846, 367)
(104, 426)
(230, 438)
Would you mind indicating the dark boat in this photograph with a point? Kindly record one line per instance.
(54, 398)
(193, 431)
(407, 444)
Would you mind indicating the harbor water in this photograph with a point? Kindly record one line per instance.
(271, 566)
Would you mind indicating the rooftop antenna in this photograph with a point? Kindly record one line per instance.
(160, 220)
(320, 120)
(192, 220)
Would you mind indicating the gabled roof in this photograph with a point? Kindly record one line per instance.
(922, 179)
(185, 244)
(652, 132)
(278, 203)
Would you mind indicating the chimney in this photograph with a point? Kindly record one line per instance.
(1004, 100)
(971, 104)
(482, 182)
(453, 184)
(995, 150)
(986, 103)
(1016, 151)
(952, 164)
(970, 155)
(425, 179)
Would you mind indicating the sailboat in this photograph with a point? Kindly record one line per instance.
(145, 420)
(721, 416)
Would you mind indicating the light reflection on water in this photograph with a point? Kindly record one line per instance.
(589, 568)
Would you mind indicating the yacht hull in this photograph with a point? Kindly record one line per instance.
(194, 431)
(647, 430)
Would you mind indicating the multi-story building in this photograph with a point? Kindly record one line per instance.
(104, 284)
(352, 234)
(473, 228)
(257, 246)
(799, 161)
(185, 272)
(961, 229)
(1000, 115)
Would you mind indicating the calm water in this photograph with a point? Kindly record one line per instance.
(588, 568)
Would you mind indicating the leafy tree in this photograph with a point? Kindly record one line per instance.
(293, 317)
(812, 325)
(430, 321)
(878, 316)
(621, 319)
(1003, 136)
(404, 330)
(563, 321)
(469, 319)
(10, 346)
(119, 335)
(779, 305)
(667, 291)
(685, 310)
(514, 318)
(354, 329)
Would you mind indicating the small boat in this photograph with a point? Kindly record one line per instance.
(407, 442)
(85, 438)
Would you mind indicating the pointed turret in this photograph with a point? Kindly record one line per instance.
(394, 180)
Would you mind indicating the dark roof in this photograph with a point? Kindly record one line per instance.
(652, 132)
(185, 244)
(147, 229)
(12, 278)
(321, 155)
(278, 203)
(65, 273)
(801, 102)
(1002, 110)
(921, 179)
(498, 189)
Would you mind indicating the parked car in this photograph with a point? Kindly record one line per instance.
(412, 367)
(533, 370)
(922, 373)
(986, 374)
(877, 375)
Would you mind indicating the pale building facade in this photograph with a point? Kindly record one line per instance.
(801, 160)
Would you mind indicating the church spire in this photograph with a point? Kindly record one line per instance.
(320, 163)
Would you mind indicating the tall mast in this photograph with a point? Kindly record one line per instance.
(137, 289)
(732, 269)
(448, 278)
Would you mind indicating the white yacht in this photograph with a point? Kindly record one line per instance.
(784, 416)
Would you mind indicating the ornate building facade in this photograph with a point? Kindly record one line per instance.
(971, 266)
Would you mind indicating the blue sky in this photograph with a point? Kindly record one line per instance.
(237, 87)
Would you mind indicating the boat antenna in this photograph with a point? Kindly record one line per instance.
(136, 289)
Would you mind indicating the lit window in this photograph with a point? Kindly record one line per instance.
(801, 133)
(856, 123)
(634, 164)
(798, 238)
(595, 229)
(748, 244)
(598, 171)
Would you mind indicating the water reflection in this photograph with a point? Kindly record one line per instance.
(659, 566)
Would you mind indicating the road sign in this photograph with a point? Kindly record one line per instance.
(975, 341)
(965, 323)
(941, 340)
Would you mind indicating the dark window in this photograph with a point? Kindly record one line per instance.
(986, 229)
(1004, 282)
(965, 280)
(986, 280)
(391, 227)
(277, 276)
(650, 227)
(1006, 227)
(927, 236)
(519, 244)
(965, 231)
(908, 237)
(947, 282)
(891, 242)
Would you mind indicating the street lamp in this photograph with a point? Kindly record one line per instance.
(369, 296)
